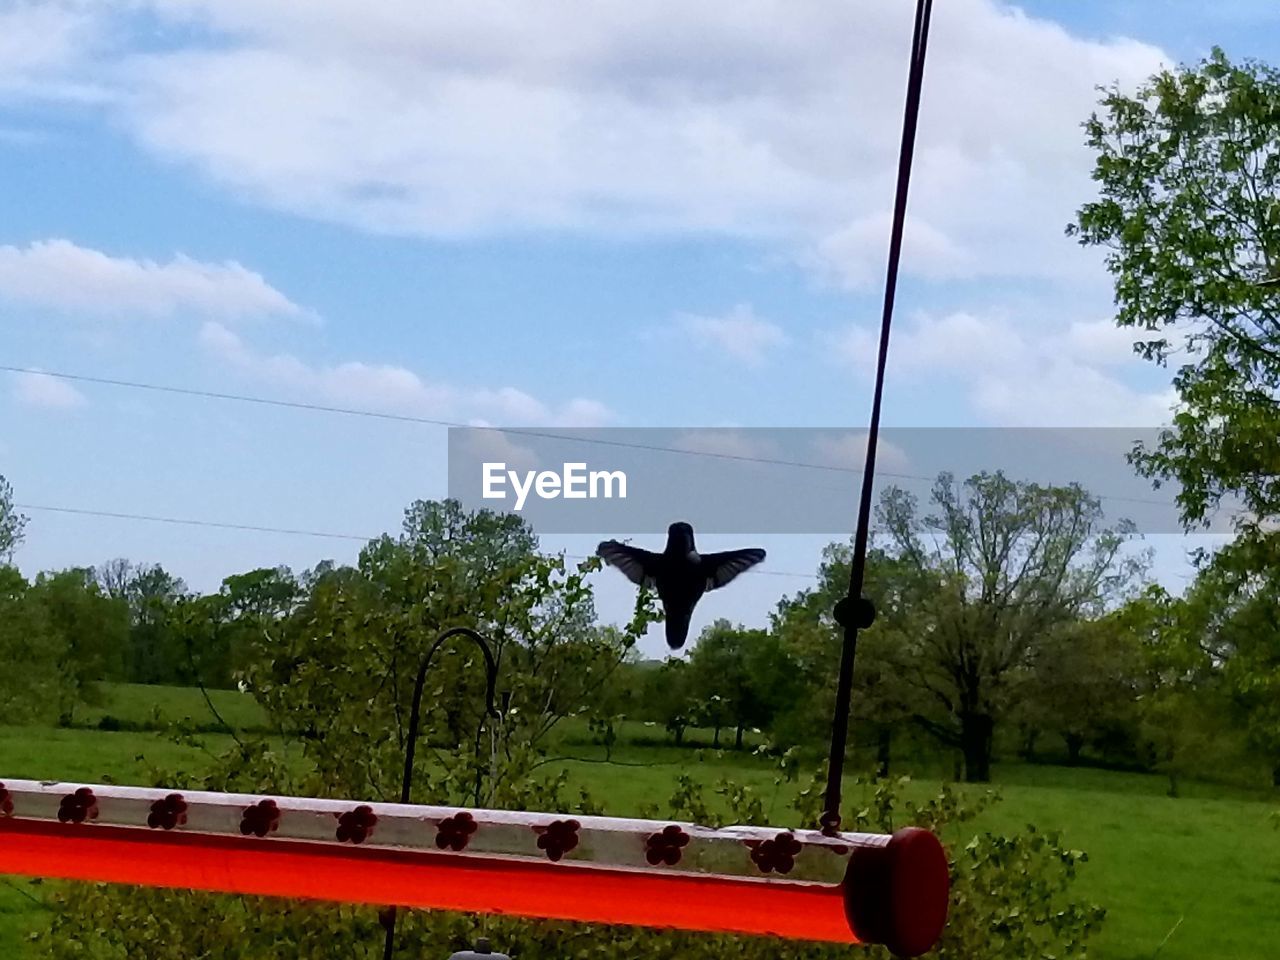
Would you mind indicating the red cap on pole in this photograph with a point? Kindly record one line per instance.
(897, 894)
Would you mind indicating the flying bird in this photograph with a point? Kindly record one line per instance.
(680, 574)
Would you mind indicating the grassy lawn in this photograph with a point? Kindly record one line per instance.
(1200, 874)
(136, 706)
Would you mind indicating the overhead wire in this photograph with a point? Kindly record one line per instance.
(517, 431)
(288, 531)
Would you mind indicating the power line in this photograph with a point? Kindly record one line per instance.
(190, 522)
(429, 421)
(224, 525)
(518, 431)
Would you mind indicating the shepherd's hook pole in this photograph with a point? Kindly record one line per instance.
(415, 710)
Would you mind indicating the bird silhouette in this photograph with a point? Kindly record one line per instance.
(680, 574)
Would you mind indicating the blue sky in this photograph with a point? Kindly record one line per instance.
(525, 215)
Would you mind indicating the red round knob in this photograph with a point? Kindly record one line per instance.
(896, 895)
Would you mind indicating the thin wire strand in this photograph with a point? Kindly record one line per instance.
(218, 524)
(190, 522)
(518, 431)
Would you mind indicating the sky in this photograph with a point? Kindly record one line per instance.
(533, 215)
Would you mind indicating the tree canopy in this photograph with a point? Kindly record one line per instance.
(12, 523)
(1188, 212)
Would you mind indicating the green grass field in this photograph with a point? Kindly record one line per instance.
(1188, 878)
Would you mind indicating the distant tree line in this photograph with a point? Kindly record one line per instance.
(1010, 622)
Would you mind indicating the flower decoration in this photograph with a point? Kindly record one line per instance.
(666, 846)
(558, 838)
(455, 832)
(168, 813)
(356, 825)
(78, 807)
(260, 819)
(776, 855)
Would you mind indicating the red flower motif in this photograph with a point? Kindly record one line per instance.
(6, 802)
(78, 807)
(356, 825)
(260, 819)
(168, 813)
(455, 832)
(778, 854)
(666, 846)
(558, 838)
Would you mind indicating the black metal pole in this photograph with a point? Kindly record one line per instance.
(415, 711)
(855, 612)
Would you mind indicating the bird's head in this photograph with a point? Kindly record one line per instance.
(680, 538)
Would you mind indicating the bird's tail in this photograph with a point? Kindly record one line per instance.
(677, 628)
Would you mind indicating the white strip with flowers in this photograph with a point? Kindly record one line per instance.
(736, 851)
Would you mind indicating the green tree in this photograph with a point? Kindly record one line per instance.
(30, 684)
(807, 631)
(1083, 683)
(92, 630)
(215, 635)
(670, 697)
(12, 523)
(717, 667)
(1227, 627)
(741, 677)
(341, 667)
(1188, 213)
(619, 695)
(999, 566)
(156, 652)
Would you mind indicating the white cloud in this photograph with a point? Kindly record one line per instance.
(768, 119)
(496, 446)
(1102, 342)
(954, 342)
(726, 443)
(1064, 393)
(855, 253)
(59, 275)
(740, 334)
(385, 388)
(848, 451)
(1017, 374)
(45, 392)
(40, 42)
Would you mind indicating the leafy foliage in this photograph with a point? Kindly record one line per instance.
(1189, 214)
(91, 631)
(31, 682)
(335, 672)
(740, 679)
(997, 568)
(12, 523)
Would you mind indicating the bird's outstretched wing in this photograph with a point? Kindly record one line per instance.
(720, 568)
(639, 566)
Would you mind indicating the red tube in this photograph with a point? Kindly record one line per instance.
(849, 888)
(320, 871)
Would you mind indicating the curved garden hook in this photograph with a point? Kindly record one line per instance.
(415, 710)
(415, 714)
